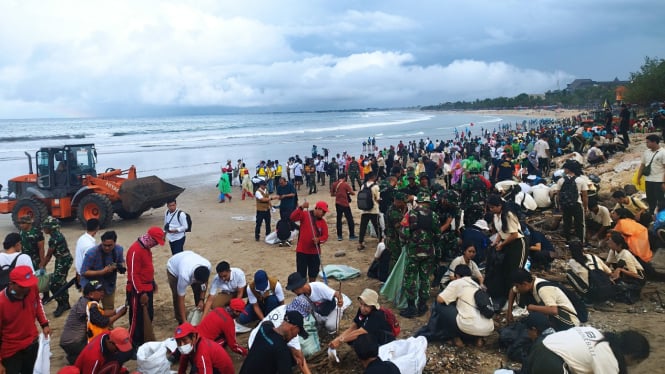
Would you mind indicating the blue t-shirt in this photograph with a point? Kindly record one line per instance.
(287, 202)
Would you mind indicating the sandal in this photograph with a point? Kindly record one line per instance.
(361, 247)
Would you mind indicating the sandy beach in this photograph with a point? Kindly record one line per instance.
(225, 232)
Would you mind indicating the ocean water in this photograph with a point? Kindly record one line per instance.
(180, 147)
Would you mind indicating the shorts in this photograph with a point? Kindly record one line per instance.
(307, 264)
(298, 178)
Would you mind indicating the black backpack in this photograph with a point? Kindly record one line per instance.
(484, 303)
(4, 273)
(188, 218)
(569, 195)
(580, 308)
(365, 199)
(283, 229)
(601, 287)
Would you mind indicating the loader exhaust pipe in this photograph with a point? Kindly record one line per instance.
(29, 161)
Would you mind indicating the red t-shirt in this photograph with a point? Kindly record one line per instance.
(220, 327)
(305, 243)
(17, 321)
(341, 189)
(207, 356)
(91, 360)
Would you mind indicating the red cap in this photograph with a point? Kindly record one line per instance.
(237, 304)
(120, 337)
(184, 330)
(23, 276)
(322, 205)
(157, 233)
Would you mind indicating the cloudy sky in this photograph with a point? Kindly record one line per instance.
(113, 58)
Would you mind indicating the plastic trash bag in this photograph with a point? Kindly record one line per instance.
(43, 363)
(340, 272)
(640, 184)
(407, 354)
(194, 316)
(393, 288)
(151, 358)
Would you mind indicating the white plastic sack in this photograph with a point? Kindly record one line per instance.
(407, 354)
(43, 363)
(194, 316)
(151, 358)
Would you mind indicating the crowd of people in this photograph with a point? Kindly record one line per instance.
(454, 213)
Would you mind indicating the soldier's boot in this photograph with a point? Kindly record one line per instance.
(422, 307)
(410, 311)
(62, 307)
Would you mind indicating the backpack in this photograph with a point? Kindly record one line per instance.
(601, 287)
(392, 321)
(569, 195)
(484, 303)
(4, 273)
(188, 218)
(580, 308)
(365, 199)
(283, 229)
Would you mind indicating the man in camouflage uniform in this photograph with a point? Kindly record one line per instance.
(57, 246)
(473, 189)
(394, 216)
(354, 173)
(32, 241)
(419, 229)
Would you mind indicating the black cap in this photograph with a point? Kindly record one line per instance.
(295, 318)
(295, 281)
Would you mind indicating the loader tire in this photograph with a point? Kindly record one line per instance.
(30, 207)
(95, 206)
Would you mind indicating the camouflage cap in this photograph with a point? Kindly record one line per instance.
(401, 196)
(423, 198)
(25, 219)
(51, 223)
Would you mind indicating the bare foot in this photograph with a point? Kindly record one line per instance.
(480, 342)
(458, 342)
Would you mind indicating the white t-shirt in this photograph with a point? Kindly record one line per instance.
(657, 168)
(320, 292)
(279, 293)
(583, 350)
(236, 281)
(475, 271)
(541, 194)
(581, 182)
(603, 216)
(632, 264)
(541, 148)
(7, 258)
(84, 242)
(182, 266)
(469, 320)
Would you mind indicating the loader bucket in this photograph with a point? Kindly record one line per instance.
(141, 194)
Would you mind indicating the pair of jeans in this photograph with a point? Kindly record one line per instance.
(365, 219)
(346, 212)
(262, 216)
(177, 246)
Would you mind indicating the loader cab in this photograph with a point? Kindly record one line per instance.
(63, 169)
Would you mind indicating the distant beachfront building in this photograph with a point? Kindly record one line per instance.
(585, 83)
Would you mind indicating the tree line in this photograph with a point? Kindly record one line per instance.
(645, 87)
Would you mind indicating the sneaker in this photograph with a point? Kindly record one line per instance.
(353, 238)
(361, 247)
(339, 238)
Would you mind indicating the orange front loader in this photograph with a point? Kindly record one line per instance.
(66, 185)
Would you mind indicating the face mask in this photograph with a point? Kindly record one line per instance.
(185, 349)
